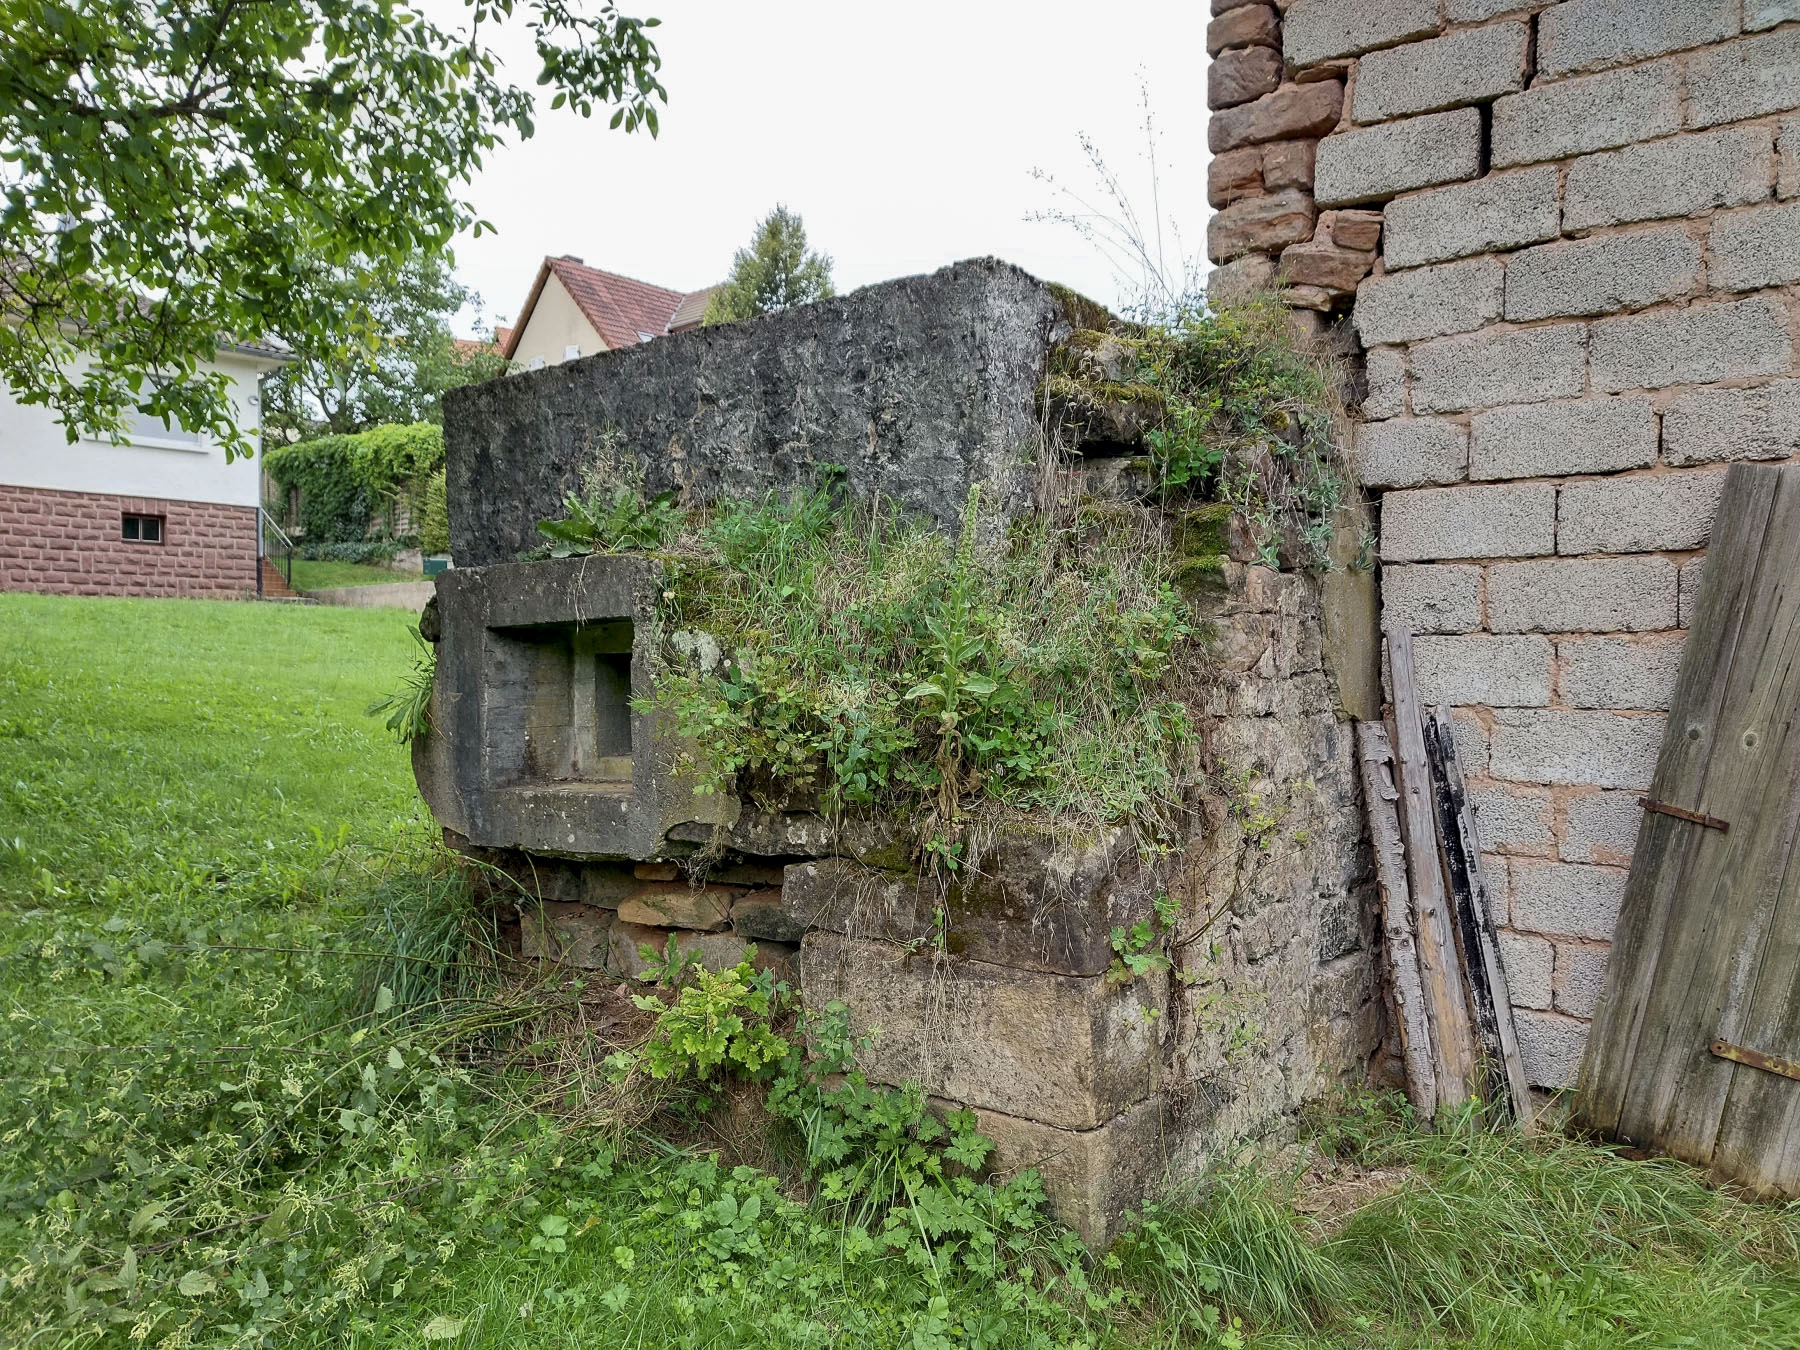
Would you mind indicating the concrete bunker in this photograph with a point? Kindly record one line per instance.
(1002, 983)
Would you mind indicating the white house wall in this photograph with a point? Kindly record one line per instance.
(35, 452)
(556, 324)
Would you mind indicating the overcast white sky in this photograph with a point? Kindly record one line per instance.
(904, 134)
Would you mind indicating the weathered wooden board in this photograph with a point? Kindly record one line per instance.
(1708, 940)
(1490, 998)
(1381, 803)
(1452, 1035)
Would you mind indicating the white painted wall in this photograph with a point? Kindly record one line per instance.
(556, 324)
(36, 452)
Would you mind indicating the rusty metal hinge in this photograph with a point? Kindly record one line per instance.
(1681, 813)
(1756, 1059)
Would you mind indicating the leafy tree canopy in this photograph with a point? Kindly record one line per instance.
(397, 371)
(178, 172)
(776, 271)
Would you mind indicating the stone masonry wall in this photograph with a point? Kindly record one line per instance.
(69, 543)
(1568, 237)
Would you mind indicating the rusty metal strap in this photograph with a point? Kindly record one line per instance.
(1681, 813)
(1756, 1059)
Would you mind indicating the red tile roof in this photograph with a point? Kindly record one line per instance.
(622, 310)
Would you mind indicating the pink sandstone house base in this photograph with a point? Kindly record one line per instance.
(73, 543)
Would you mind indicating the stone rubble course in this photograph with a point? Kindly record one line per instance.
(1239, 75)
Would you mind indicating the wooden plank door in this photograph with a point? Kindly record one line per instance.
(1707, 947)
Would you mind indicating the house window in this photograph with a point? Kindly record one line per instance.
(143, 429)
(571, 352)
(141, 529)
(537, 363)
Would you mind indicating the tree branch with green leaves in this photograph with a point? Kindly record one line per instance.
(173, 171)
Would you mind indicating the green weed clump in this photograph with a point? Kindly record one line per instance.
(870, 661)
(1248, 418)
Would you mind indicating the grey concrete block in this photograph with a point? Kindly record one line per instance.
(1317, 30)
(1691, 346)
(1619, 672)
(1429, 302)
(1378, 162)
(1242, 74)
(1595, 112)
(1566, 899)
(1472, 741)
(1707, 426)
(1580, 977)
(1499, 212)
(1693, 572)
(1513, 818)
(1560, 745)
(1466, 67)
(567, 934)
(1756, 248)
(1601, 827)
(1594, 435)
(1787, 159)
(1410, 453)
(1484, 370)
(1431, 599)
(1589, 34)
(1474, 11)
(1509, 521)
(1675, 177)
(1384, 369)
(1484, 671)
(1642, 514)
(1747, 78)
(1295, 110)
(1760, 14)
(1530, 965)
(1602, 275)
(1551, 1047)
(1600, 595)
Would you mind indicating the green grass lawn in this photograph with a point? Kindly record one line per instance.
(317, 576)
(254, 1096)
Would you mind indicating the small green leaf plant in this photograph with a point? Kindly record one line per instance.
(406, 712)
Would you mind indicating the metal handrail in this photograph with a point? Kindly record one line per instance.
(264, 523)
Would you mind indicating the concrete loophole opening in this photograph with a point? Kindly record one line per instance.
(566, 691)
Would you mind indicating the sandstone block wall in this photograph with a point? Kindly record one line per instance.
(69, 543)
(995, 988)
(1584, 304)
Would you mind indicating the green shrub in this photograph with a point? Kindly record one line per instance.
(369, 551)
(353, 485)
(874, 662)
(434, 518)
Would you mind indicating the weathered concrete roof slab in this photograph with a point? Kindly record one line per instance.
(919, 388)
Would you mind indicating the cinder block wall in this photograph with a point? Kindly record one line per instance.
(1577, 304)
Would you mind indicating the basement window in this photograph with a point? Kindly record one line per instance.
(141, 529)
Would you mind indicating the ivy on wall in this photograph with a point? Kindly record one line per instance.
(383, 482)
